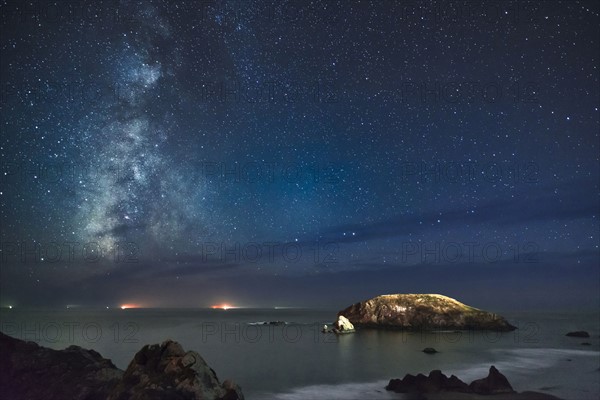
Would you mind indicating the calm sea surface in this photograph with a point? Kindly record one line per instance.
(295, 361)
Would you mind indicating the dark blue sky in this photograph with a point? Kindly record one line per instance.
(297, 153)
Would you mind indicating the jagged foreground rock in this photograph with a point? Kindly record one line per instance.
(422, 312)
(439, 386)
(29, 371)
(166, 371)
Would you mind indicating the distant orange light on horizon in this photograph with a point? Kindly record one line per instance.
(222, 306)
(126, 306)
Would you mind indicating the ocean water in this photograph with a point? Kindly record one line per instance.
(296, 361)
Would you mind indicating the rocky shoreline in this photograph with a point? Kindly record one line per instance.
(438, 386)
(157, 372)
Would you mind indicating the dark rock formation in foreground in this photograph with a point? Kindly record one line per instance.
(422, 312)
(494, 383)
(439, 386)
(29, 371)
(435, 382)
(157, 372)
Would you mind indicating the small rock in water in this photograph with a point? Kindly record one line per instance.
(582, 334)
(429, 350)
(342, 325)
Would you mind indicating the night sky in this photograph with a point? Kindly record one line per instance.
(299, 153)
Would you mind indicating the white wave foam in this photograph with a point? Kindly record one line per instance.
(346, 391)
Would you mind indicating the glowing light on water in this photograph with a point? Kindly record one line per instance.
(222, 306)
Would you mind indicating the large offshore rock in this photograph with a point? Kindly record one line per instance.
(422, 312)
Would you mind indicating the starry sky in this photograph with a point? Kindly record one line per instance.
(299, 153)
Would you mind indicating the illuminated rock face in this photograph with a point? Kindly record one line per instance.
(422, 312)
(342, 325)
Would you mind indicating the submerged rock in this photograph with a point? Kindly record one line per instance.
(579, 334)
(429, 350)
(422, 312)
